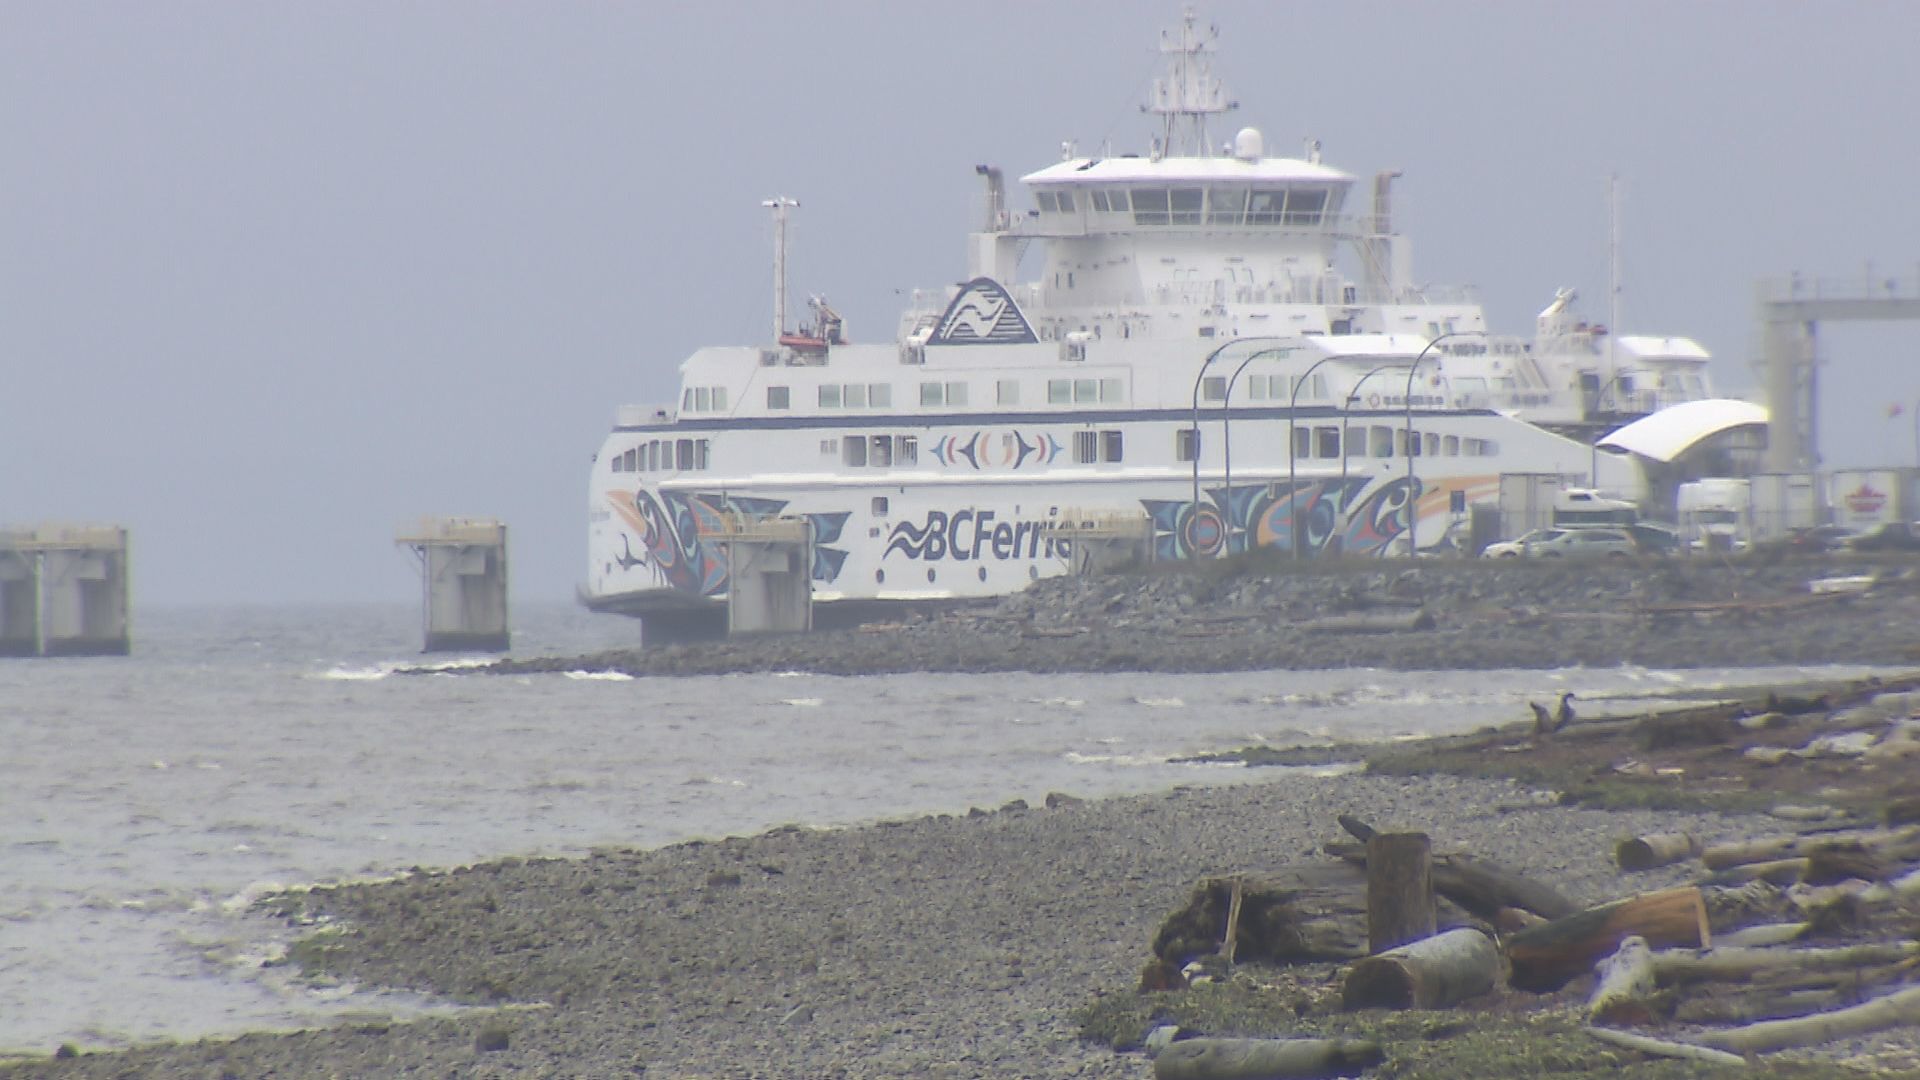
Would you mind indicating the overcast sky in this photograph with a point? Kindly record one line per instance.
(278, 279)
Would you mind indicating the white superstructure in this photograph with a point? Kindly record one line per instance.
(1191, 361)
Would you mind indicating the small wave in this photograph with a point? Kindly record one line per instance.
(803, 702)
(599, 676)
(361, 674)
(1058, 702)
(1075, 757)
(1160, 702)
(711, 781)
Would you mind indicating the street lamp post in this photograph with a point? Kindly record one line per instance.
(1593, 451)
(1353, 395)
(1198, 378)
(1293, 450)
(1406, 399)
(1226, 424)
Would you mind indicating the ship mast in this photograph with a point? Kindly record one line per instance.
(780, 204)
(1187, 94)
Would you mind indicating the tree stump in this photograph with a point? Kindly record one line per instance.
(1399, 890)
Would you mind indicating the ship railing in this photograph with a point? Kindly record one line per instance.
(639, 415)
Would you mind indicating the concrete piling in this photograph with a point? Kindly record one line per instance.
(63, 591)
(463, 570)
(770, 588)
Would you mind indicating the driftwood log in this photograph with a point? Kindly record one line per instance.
(1898, 1009)
(1399, 890)
(1370, 623)
(1684, 966)
(1303, 914)
(1665, 1047)
(1546, 958)
(1481, 888)
(1432, 973)
(1265, 1059)
(1625, 991)
(1655, 849)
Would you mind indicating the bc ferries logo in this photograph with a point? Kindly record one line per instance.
(983, 314)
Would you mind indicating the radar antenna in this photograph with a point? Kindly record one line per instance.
(1187, 93)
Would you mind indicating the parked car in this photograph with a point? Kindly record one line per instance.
(1565, 543)
(1893, 536)
(1820, 538)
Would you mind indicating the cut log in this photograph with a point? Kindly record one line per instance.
(1265, 1059)
(1682, 966)
(1898, 1009)
(1432, 973)
(1623, 994)
(1664, 1047)
(1399, 890)
(1548, 957)
(1655, 849)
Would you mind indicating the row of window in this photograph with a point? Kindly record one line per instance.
(954, 394)
(1234, 205)
(1089, 447)
(873, 451)
(659, 454)
(1376, 440)
(704, 399)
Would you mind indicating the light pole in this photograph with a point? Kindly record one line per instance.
(1198, 378)
(1353, 395)
(1406, 399)
(1593, 451)
(1293, 449)
(1226, 426)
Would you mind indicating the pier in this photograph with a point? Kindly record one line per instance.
(463, 571)
(63, 591)
(771, 566)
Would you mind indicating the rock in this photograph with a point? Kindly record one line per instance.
(490, 1039)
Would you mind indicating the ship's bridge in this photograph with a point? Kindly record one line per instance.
(1145, 196)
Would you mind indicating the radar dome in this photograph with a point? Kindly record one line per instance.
(1248, 145)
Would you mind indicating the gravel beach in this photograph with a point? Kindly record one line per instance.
(937, 947)
(961, 946)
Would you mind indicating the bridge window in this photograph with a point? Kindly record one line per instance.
(1226, 205)
(956, 393)
(1098, 198)
(683, 454)
(1110, 391)
(853, 451)
(700, 453)
(1007, 391)
(1186, 205)
(1066, 202)
(854, 395)
(1085, 390)
(1046, 201)
(1150, 206)
(880, 395)
(906, 449)
(1111, 444)
(1265, 207)
(1186, 444)
(1059, 391)
(1304, 205)
(830, 395)
(1214, 388)
(778, 397)
(1329, 442)
(1383, 440)
(931, 393)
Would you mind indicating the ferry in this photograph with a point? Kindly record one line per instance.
(1223, 349)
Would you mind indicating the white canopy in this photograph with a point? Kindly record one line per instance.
(1667, 434)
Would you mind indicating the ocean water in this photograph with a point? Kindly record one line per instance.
(147, 801)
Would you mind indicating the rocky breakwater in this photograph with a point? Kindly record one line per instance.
(1262, 613)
